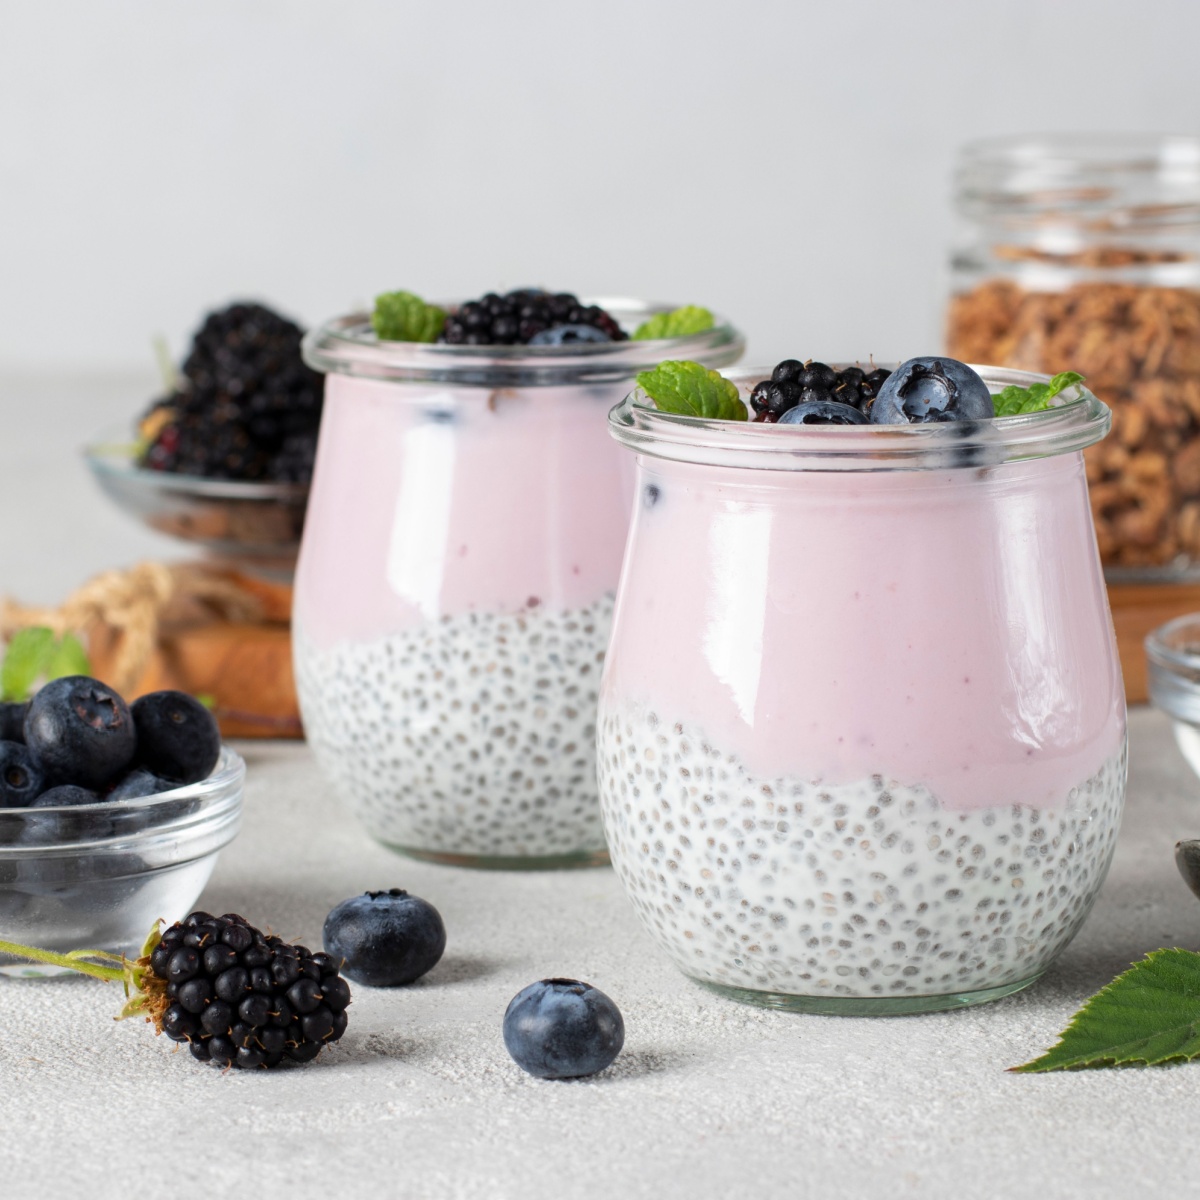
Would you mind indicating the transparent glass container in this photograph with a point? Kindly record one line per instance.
(861, 733)
(455, 585)
(1083, 253)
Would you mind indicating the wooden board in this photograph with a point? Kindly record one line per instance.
(1138, 608)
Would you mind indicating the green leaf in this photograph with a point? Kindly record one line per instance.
(693, 390)
(1148, 1015)
(1016, 401)
(681, 322)
(68, 658)
(404, 317)
(25, 661)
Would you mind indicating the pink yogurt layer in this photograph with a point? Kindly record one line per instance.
(945, 628)
(515, 498)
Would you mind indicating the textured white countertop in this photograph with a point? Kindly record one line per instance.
(420, 1099)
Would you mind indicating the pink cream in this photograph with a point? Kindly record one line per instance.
(946, 628)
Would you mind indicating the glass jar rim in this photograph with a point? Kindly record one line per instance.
(1062, 429)
(347, 345)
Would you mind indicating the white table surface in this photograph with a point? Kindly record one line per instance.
(420, 1099)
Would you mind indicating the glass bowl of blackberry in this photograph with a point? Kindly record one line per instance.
(225, 456)
(94, 863)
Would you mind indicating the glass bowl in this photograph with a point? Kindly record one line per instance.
(257, 524)
(97, 876)
(1173, 676)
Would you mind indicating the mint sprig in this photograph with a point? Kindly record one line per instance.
(1016, 401)
(1147, 1016)
(680, 322)
(692, 390)
(405, 317)
(35, 656)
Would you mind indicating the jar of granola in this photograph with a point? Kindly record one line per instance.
(1083, 253)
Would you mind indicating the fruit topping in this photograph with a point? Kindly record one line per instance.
(563, 1029)
(925, 390)
(822, 412)
(403, 317)
(80, 732)
(177, 737)
(692, 390)
(237, 996)
(246, 408)
(518, 317)
(385, 939)
(679, 322)
(794, 383)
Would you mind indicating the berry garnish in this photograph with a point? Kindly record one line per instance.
(177, 737)
(518, 317)
(237, 996)
(21, 779)
(822, 412)
(563, 1029)
(679, 322)
(693, 390)
(405, 317)
(247, 408)
(925, 390)
(385, 939)
(80, 731)
(794, 383)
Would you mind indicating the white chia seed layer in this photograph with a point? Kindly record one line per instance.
(868, 889)
(474, 734)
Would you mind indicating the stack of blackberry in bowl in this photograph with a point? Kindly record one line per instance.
(111, 815)
(225, 457)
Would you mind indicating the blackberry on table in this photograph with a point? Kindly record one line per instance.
(518, 317)
(247, 407)
(239, 997)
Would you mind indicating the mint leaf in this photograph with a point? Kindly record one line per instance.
(692, 390)
(404, 317)
(68, 658)
(25, 661)
(1148, 1015)
(1016, 401)
(679, 323)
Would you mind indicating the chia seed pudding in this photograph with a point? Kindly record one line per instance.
(866, 889)
(474, 734)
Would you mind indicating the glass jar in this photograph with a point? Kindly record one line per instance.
(861, 735)
(1083, 254)
(455, 585)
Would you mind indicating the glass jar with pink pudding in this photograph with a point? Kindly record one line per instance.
(861, 736)
(455, 586)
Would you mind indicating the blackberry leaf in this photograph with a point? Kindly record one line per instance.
(692, 390)
(1146, 1016)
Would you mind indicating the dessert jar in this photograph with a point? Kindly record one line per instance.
(455, 585)
(861, 734)
(1083, 253)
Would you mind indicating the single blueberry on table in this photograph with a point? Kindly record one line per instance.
(567, 335)
(21, 780)
(925, 390)
(385, 939)
(177, 737)
(80, 732)
(823, 412)
(563, 1029)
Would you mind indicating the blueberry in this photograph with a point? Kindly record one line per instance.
(925, 390)
(1187, 859)
(42, 829)
(562, 1029)
(823, 412)
(21, 780)
(139, 783)
(12, 720)
(384, 939)
(566, 335)
(80, 731)
(650, 495)
(177, 737)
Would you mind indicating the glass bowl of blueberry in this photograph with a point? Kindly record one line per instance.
(111, 815)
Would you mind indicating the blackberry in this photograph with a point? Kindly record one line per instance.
(247, 407)
(519, 317)
(794, 382)
(238, 996)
